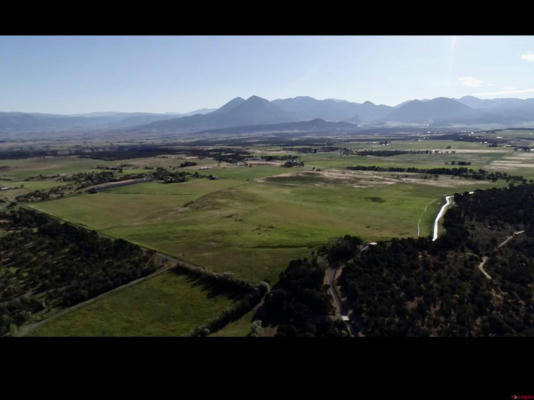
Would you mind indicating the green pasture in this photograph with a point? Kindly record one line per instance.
(251, 229)
(165, 305)
(243, 223)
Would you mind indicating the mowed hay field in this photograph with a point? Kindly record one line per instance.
(249, 226)
(169, 304)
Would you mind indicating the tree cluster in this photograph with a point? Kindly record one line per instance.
(415, 287)
(168, 176)
(187, 164)
(299, 303)
(293, 163)
(46, 264)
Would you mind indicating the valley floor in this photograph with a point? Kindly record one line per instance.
(249, 222)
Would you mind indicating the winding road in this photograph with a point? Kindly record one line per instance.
(486, 258)
(337, 301)
(481, 267)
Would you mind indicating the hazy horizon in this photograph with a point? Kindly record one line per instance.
(179, 74)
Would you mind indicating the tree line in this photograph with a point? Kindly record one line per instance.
(479, 174)
(47, 264)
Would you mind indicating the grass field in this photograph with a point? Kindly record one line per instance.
(237, 328)
(165, 305)
(252, 228)
(480, 158)
(251, 222)
(24, 168)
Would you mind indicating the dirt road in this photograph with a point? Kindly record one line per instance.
(486, 258)
(333, 274)
(440, 214)
(481, 267)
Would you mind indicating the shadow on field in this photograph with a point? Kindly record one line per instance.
(213, 287)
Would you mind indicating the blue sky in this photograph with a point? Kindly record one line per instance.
(62, 74)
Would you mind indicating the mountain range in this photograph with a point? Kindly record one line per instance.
(12, 122)
(256, 114)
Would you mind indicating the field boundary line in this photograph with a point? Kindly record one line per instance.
(177, 264)
(27, 329)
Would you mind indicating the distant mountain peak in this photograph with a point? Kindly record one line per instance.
(230, 105)
(437, 109)
(447, 99)
(255, 98)
(235, 100)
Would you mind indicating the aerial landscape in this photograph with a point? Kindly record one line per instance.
(288, 203)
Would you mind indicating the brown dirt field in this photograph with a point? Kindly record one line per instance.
(363, 179)
(441, 182)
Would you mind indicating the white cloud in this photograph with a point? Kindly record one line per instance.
(528, 56)
(470, 81)
(504, 92)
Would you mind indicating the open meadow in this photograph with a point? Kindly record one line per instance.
(253, 220)
(248, 220)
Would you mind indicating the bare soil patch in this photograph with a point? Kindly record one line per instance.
(362, 179)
